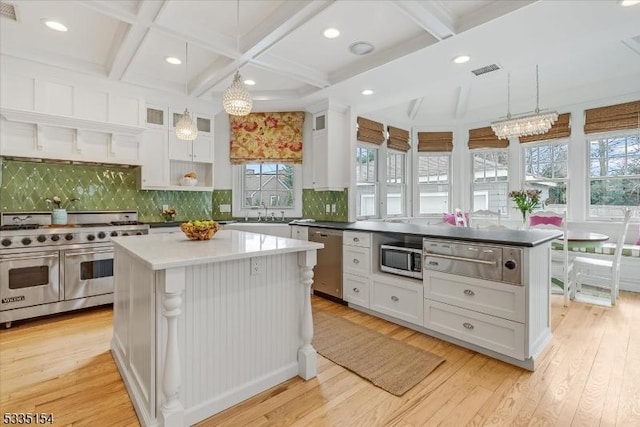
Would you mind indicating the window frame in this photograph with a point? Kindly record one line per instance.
(566, 180)
(416, 182)
(238, 194)
(503, 212)
(376, 183)
(403, 185)
(589, 138)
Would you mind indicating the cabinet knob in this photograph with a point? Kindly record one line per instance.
(469, 292)
(355, 239)
(467, 325)
(356, 290)
(356, 261)
(395, 298)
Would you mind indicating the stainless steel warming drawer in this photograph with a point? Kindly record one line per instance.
(481, 261)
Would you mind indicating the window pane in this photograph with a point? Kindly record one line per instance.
(268, 184)
(490, 179)
(366, 204)
(614, 167)
(366, 182)
(433, 183)
(395, 199)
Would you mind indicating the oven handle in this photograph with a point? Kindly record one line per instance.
(22, 257)
(460, 258)
(70, 254)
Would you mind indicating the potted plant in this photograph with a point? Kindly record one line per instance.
(526, 201)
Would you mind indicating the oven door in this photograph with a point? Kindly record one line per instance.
(29, 278)
(88, 272)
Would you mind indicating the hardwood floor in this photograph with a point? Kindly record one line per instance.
(588, 375)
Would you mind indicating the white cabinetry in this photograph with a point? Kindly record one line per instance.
(397, 297)
(299, 232)
(154, 173)
(330, 137)
(356, 267)
(48, 119)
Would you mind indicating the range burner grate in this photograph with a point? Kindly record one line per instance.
(10, 227)
(126, 223)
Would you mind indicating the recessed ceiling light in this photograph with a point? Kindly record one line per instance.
(367, 92)
(361, 48)
(331, 33)
(55, 25)
(250, 82)
(627, 3)
(173, 60)
(461, 59)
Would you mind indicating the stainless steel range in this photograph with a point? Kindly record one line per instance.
(47, 268)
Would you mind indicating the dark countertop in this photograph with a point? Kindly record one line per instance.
(469, 234)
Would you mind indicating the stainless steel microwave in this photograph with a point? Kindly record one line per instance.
(404, 259)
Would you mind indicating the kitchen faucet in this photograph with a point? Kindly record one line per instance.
(266, 213)
(282, 217)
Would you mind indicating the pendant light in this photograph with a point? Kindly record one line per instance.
(186, 129)
(236, 100)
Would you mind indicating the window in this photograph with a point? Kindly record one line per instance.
(433, 183)
(614, 174)
(366, 182)
(272, 186)
(546, 168)
(396, 183)
(490, 186)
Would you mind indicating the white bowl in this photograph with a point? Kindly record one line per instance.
(189, 182)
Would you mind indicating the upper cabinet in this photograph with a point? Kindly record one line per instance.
(329, 139)
(54, 120)
(168, 159)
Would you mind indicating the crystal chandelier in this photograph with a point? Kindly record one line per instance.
(524, 124)
(236, 99)
(186, 129)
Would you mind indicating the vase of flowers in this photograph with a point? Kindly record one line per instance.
(169, 214)
(526, 201)
(59, 210)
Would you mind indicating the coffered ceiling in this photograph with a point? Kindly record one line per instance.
(585, 49)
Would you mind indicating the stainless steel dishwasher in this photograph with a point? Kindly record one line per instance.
(327, 274)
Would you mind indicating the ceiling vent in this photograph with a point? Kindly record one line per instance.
(8, 11)
(486, 69)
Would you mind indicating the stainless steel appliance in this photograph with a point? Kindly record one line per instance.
(47, 268)
(490, 262)
(327, 274)
(404, 259)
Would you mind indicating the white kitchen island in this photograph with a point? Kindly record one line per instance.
(199, 326)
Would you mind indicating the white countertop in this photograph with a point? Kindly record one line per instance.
(167, 250)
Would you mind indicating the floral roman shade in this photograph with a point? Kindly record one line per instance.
(266, 137)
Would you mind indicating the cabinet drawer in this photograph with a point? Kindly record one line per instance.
(356, 260)
(354, 238)
(299, 233)
(355, 289)
(399, 300)
(500, 335)
(496, 299)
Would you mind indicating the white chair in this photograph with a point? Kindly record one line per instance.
(603, 273)
(484, 218)
(561, 265)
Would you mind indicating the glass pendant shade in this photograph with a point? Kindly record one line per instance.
(186, 129)
(236, 99)
(533, 124)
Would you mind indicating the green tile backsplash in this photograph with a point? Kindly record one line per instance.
(25, 185)
(221, 197)
(314, 205)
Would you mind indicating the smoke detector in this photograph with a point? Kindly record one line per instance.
(361, 48)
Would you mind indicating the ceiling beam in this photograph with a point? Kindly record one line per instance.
(414, 108)
(286, 19)
(430, 16)
(292, 69)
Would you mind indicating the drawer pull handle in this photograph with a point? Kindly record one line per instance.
(355, 239)
(356, 290)
(395, 298)
(356, 261)
(469, 292)
(467, 325)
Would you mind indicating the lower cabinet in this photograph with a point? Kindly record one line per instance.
(355, 289)
(397, 298)
(493, 333)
